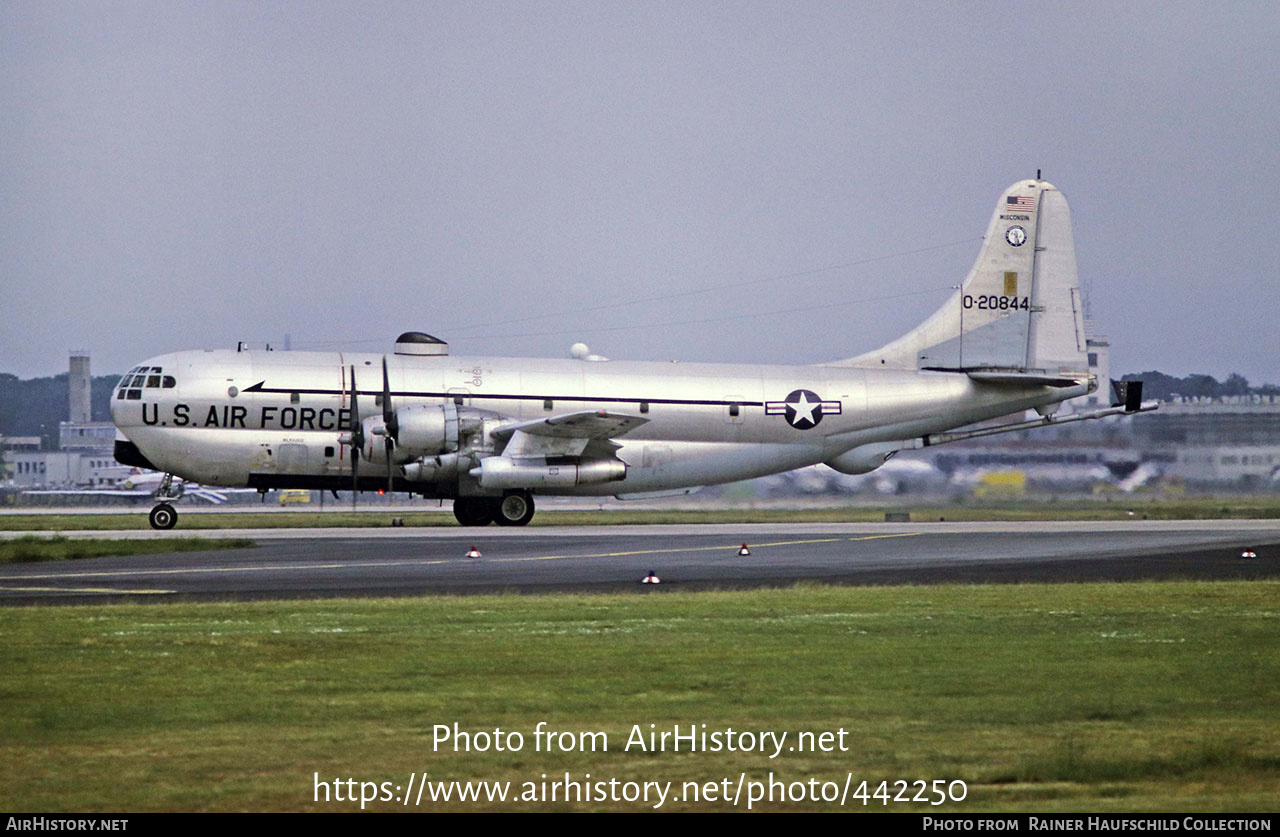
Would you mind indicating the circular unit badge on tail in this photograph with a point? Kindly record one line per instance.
(1016, 236)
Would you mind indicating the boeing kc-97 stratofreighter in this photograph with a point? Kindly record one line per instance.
(491, 433)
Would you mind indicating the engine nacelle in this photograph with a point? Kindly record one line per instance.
(863, 459)
(374, 431)
(442, 468)
(422, 430)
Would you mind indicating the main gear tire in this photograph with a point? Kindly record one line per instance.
(473, 511)
(514, 509)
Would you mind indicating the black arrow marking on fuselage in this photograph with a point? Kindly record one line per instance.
(261, 387)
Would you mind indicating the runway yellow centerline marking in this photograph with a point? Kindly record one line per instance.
(703, 548)
(195, 570)
(420, 563)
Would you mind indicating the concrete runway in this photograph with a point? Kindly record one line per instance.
(310, 563)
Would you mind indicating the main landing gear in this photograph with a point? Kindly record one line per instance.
(515, 508)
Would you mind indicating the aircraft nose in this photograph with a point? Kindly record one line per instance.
(116, 404)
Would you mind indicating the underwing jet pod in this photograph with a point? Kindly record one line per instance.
(492, 433)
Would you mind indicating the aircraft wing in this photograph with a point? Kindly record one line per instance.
(588, 424)
(567, 434)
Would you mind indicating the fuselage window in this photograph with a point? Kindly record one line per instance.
(644, 406)
(169, 382)
(295, 397)
(547, 404)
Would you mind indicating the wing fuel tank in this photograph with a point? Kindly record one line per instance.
(500, 472)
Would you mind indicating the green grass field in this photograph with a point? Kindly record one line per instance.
(1201, 508)
(1090, 697)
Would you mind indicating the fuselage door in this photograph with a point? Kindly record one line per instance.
(293, 458)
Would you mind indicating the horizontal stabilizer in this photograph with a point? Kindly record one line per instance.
(1021, 379)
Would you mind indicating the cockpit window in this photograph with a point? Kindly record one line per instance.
(131, 385)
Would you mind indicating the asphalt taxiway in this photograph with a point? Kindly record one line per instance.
(302, 563)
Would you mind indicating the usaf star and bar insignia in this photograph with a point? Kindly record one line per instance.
(803, 409)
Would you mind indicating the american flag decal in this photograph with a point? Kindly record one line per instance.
(1022, 204)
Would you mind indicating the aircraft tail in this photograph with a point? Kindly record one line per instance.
(1019, 311)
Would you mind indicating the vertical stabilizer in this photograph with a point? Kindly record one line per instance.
(1019, 310)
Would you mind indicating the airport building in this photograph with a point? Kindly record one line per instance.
(1232, 441)
(85, 457)
(11, 446)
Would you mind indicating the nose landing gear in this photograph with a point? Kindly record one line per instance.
(163, 516)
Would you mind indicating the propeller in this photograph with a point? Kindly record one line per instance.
(357, 439)
(391, 428)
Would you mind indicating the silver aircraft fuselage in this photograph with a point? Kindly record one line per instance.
(282, 419)
(493, 432)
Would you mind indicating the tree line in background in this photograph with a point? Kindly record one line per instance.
(34, 407)
(1162, 387)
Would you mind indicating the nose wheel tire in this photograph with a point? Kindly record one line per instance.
(473, 511)
(515, 509)
(163, 516)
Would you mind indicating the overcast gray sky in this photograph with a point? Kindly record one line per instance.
(186, 175)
